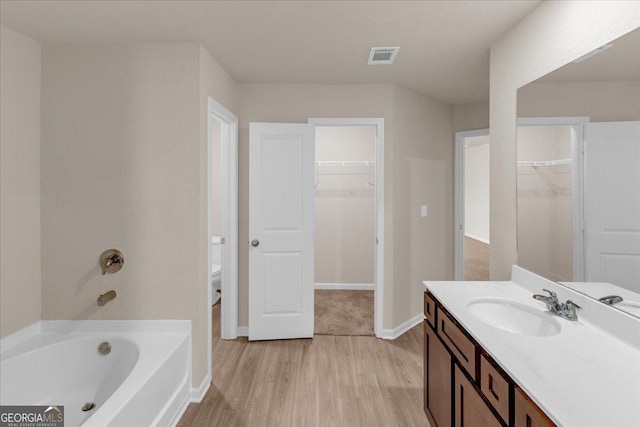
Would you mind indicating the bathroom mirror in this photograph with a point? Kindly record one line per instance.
(578, 171)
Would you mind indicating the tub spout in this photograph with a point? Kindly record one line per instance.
(105, 298)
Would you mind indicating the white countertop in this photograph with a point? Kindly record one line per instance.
(582, 376)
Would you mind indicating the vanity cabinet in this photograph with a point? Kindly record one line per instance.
(527, 414)
(463, 385)
(437, 378)
(470, 409)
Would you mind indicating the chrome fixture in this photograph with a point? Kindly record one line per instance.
(104, 348)
(88, 406)
(105, 298)
(611, 299)
(565, 310)
(111, 261)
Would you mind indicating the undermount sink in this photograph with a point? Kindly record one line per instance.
(514, 317)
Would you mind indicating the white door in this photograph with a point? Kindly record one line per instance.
(612, 203)
(281, 230)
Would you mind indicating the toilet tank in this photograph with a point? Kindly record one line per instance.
(216, 250)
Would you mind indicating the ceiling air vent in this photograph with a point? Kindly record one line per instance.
(382, 55)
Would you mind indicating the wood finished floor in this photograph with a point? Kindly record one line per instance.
(326, 381)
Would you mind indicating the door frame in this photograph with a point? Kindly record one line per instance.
(459, 199)
(228, 220)
(577, 124)
(378, 288)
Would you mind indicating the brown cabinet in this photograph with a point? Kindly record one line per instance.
(470, 409)
(430, 309)
(458, 343)
(463, 385)
(527, 413)
(437, 379)
(495, 387)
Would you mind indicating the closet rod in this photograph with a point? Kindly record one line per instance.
(545, 162)
(345, 163)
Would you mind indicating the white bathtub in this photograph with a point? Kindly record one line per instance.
(143, 381)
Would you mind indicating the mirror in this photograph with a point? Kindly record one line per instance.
(578, 169)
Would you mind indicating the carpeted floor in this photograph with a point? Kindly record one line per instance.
(343, 312)
(476, 260)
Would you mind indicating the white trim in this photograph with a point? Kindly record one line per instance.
(479, 239)
(229, 223)
(458, 226)
(346, 286)
(197, 393)
(378, 305)
(243, 331)
(577, 124)
(392, 334)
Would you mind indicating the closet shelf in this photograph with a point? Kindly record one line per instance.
(345, 163)
(369, 172)
(542, 163)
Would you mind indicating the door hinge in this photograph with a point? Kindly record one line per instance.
(222, 240)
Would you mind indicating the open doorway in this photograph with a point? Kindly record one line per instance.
(222, 234)
(472, 205)
(349, 210)
(345, 179)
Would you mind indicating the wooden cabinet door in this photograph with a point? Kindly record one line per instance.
(470, 409)
(527, 413)
(437, 379)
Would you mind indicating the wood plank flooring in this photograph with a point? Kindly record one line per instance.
(476, 260)
(327, 381)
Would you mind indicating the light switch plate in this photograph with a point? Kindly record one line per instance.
(423, 210)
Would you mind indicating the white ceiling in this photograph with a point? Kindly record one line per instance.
(618, 63)
(444, 45)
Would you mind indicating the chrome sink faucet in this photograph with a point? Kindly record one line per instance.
(565, 310)
(611, 299)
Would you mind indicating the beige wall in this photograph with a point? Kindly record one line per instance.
(603, 101)
(345, 205)
(422, 175)
(545, 227)
(471, 116)
(548, 38)
(418, 170)
(124, 166)
(476, 188)
(20, 278)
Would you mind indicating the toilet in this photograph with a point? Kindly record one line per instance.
(216, 267)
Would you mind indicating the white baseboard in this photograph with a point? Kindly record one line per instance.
(479, 239)
(197, 394)
(392, 334)
(243, 331)
(346, 286)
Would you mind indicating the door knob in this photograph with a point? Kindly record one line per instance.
(255, 242)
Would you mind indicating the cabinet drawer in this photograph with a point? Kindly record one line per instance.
(527, 413)
(430, 309)
(495, 388)
(462, 347)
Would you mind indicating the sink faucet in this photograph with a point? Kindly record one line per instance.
(611, 299)
(565, 310)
